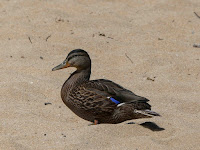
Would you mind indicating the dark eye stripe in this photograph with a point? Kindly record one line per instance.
(74, 56)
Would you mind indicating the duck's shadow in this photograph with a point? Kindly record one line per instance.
(150, 125)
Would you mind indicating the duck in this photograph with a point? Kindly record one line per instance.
(101, 100)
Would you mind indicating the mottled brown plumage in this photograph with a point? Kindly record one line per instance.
(91, 99)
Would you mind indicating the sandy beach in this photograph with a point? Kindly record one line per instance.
(145, 46)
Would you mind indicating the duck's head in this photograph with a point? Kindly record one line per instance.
(77, 58)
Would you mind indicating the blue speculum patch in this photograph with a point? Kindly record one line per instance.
(114, 100)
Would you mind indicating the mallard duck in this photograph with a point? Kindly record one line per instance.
(99, 101)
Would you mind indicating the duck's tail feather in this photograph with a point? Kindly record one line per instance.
(153, 113)
(147, 112)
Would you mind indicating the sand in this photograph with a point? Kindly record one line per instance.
(146, 46)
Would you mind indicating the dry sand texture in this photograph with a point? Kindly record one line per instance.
(146, 46)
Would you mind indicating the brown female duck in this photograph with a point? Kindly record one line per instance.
(99, 101)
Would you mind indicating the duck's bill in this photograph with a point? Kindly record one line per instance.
(61, 66)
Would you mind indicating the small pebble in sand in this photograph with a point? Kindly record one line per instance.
(148, 78)
(102, 34)
(59, 20)
(63, 135)
(22, 57)
(110, 38)
(47, 103)
(196, 45)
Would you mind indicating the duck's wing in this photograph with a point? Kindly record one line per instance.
(110, 89)
(102, 97)
(93, 100)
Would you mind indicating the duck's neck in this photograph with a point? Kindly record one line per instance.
(76, 78)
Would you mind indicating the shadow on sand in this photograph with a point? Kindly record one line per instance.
(152, 126)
